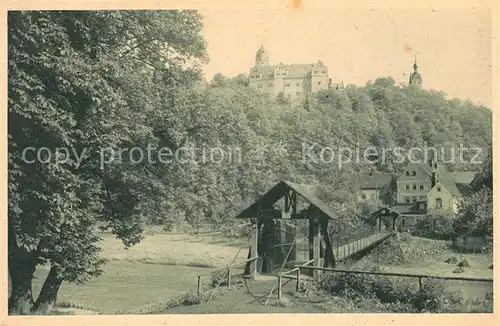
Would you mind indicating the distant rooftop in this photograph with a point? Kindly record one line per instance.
(375, 180)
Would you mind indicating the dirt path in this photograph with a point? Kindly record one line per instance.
(249, 298)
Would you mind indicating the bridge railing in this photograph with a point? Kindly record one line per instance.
(341, 238)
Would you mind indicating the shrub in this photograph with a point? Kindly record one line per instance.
(464, 263)
(188, 299)
(471, 306)
(218, 278)
(76, 305)
(350, 284)
(394, 289)
(284, 302)
(437, 227)
(458, 270)
(362, 286)
(451, 260)
(436, 297)
(393, 294)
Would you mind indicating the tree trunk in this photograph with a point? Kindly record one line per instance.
(21, 267)
(48, 295)
(21, 270)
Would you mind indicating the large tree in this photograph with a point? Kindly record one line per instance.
(475, 215)
(92, 83)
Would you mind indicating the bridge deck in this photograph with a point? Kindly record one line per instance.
(349, 249)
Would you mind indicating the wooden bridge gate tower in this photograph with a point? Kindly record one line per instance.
(270, 233)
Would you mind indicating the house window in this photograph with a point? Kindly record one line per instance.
(407, 187)
(298, 93)
(422, 197)
(414, 187)
(323, 71)
(414, 173)
(407, 199)
(270, 84)
(372, 196)
(439, 203)
(260, 86)
(363, 196)
(319, 83)
(438, 188)
(421, 187)
(403, 222)
(407, 173)
(414, 199)
(298, 84)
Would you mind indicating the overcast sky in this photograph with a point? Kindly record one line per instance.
(357, 45)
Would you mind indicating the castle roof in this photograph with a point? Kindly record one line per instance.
(294, 70)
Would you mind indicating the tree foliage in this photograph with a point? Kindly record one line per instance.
(475, 215)
(87, 81)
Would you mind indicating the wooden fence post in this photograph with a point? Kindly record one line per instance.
(199, 287)
(279, 287)
(420, 284)
(297, 287)
(229, 277)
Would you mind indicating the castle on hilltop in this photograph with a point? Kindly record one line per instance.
(293, 80)
(297, 80)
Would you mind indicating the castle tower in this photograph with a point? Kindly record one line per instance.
(261, 58)
(415, 77)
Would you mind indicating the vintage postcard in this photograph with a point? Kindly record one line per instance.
(296, 162)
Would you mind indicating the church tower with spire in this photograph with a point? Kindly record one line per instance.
(415, 77)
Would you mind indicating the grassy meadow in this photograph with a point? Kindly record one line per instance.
(161, 267)
(165, 266)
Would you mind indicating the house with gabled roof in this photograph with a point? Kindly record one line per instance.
(373, 184)
(424, 188)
